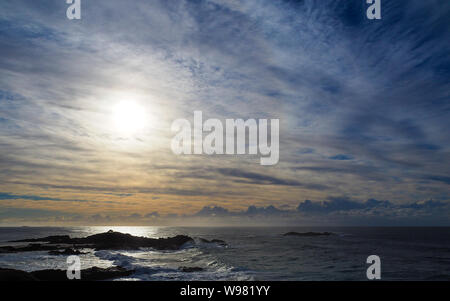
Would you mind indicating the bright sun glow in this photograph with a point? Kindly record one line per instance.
(129, 117)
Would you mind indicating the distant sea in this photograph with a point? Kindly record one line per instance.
(257, 253)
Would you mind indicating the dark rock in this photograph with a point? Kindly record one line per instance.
(191, 269)
(307, 234)
(56, 239)
(103, 241)
(7, 249)
(15, 275)
(217, 241)
(28, 248)
(119, 241)
(91, 274)
(96, 273)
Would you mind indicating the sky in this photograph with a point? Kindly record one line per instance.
(363, 107)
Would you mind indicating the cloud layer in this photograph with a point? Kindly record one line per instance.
(363, 105)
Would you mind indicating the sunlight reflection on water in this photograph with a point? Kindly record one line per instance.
(136, 231)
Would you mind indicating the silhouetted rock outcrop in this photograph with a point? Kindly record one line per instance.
(103, 241)
(307, 234)
(119, 241)
(29, 248)
(55, 239)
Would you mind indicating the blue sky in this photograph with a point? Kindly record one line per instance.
(363, 106)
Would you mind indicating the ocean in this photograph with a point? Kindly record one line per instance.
(256, 253)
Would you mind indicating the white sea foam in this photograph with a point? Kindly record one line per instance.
(40, 260)
(165, 265)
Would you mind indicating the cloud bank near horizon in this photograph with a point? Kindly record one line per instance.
(340, 211)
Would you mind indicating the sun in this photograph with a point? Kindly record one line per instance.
(129, 117)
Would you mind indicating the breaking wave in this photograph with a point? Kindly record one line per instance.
(165, 265)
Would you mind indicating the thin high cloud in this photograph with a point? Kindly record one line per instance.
(8, 196)
(363, 105)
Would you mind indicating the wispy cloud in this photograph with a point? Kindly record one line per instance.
(8, 196)
(363, 105)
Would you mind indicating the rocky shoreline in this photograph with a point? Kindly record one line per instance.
(91, 274)
(64, 245)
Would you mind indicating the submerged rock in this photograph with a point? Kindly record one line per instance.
(307, 234)
(191, 269)
(217, 241)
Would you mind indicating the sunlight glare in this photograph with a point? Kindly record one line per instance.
(129, 117)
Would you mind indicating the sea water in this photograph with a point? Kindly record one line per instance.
(257, 253)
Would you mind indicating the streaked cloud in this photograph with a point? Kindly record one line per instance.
(363, 105)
